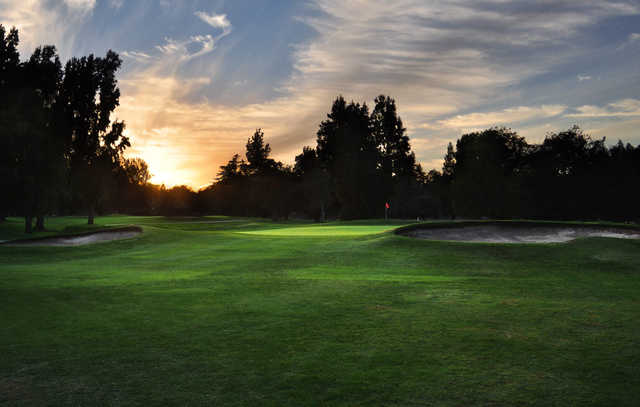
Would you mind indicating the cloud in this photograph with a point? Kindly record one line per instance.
(83, 5)
(632, 39)
(40, 22)
(181, 49)
(438, 59)
(583, 78)
(137, 56)
(621, 108)
(460, 54)
(507, 116)
(215, 20)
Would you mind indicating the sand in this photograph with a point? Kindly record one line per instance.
(81, 239)
(519, 234)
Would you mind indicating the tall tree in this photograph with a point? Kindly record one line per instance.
(33, 154)
(484, 165)
(231, 170)
(9, 58)
(9, 69)
(258, 161)
(445, 182)
(564, 173)
(449, 165)
(315, 182)
(90, 94)
(396, 157)
(396, 161)
(43, 75)
(267, 179)
(136, 170)
(347, 149)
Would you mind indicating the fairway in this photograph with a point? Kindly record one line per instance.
(324, 230)
(235, 311)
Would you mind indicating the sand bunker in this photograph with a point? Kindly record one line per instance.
(80, 239)
(518, 234)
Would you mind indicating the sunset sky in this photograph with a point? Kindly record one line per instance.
(200, 76)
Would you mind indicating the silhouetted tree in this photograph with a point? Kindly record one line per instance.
(445, 181)
(258, 161)
(395, 156)
(9, 70)
(133, 194)
(9, 59)
(486, 167)
(90, 94)
(231, 170)
(43, 75)
(178, 201)
(33, 159)
(396, 161)
(315, 183)
(347, 149)
(563, 173)
(136, 170)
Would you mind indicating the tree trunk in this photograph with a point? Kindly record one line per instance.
(91, 215)
(28, 224)
(323, 216)
(40, 223)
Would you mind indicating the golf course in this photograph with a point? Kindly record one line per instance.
(241, 311)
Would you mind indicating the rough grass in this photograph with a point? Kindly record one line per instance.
(255, 313)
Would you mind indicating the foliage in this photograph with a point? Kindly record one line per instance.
(57, 134)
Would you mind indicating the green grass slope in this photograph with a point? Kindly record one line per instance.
(221, 311)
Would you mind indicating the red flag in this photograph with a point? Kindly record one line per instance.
(386, 205)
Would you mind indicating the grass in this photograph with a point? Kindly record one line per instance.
(221, 311)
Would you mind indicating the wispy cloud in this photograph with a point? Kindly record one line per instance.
(503, 117)
(41, 22)
(116, 3)
(83, 5)
(215, 20)
(181, 49)
(582, 78)
(620, 108)
(632, 39)
(137, 56)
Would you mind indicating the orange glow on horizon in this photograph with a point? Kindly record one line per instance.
(165, 168)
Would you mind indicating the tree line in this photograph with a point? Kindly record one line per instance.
(495, 173)
(363, 161)
(61, 153)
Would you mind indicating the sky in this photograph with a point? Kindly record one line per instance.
(198, 77)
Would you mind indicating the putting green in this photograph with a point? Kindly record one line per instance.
(324, 230)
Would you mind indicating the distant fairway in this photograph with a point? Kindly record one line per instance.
(232, 311)
(324, 230)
